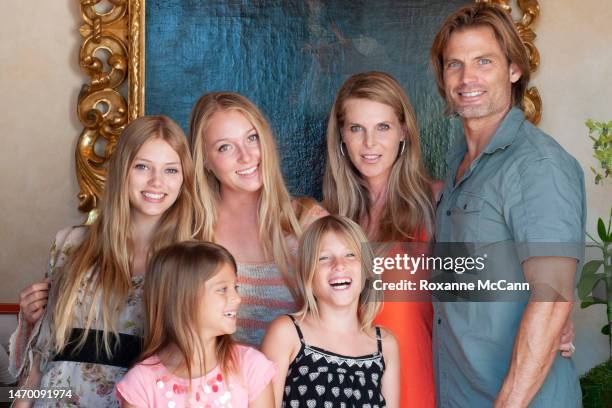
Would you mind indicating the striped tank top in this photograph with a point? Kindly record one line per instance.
(264, 296)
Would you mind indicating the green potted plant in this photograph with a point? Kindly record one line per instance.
(595, 284)
(602, 146)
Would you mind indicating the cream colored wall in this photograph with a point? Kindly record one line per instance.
(574, 81)
(40, 83)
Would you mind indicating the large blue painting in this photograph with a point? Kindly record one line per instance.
(290, 58)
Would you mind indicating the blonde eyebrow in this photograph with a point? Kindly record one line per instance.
(220, 140)
(224, 139)
(222, 282)
(385, 121)
(149, 161)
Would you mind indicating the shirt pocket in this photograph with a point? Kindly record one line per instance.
(466, 217)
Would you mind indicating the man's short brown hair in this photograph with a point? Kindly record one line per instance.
(484, 15)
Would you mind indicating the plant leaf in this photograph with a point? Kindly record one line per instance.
(610, 226)
(606, 330)
(592, 239)
(601, 230)
(589, 278)
(589, 301)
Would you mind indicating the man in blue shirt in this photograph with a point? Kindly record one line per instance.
(509, 184)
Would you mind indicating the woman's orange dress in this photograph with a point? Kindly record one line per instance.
(411, 323)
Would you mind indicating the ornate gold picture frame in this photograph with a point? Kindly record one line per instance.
(112, 52)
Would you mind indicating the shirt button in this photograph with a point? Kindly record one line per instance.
(448, 212)
(439, 321)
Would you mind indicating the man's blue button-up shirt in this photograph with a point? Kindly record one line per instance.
(523, 188)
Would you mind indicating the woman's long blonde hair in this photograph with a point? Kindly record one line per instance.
(409, 204)
(308, 259)
(107, 250)
(276, 215)
(172, 302)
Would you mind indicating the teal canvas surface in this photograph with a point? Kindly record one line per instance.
(290, 58)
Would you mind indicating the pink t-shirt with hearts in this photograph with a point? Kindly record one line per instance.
(150, 384)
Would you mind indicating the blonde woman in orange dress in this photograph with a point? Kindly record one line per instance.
(375, 176)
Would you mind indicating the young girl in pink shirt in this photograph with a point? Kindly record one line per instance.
(189, 358)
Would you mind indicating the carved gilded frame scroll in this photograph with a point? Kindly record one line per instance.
(112, 52)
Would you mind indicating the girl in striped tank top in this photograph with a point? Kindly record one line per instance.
(329, 354)
(247, 207)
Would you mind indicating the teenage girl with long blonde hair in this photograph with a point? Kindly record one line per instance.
(247, 206)
(92, 325)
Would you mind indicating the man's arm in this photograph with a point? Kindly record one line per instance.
(537, 341)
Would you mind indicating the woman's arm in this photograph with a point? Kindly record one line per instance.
(391, 376)
(280, 344)
(307, 210)
(32, 300)
(436, 190)
(31, 381)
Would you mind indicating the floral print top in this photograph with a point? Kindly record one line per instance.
(92, 385)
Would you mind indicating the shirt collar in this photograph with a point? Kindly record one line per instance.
(504, 136)
(506, 132)
(457, 149)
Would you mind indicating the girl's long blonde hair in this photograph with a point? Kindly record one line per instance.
(102, 264)
(277, 218)
(409, 204)
(172, 302)
(308, 258)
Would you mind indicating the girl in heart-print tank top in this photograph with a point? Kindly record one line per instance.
(320, 378)
(329, 354)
